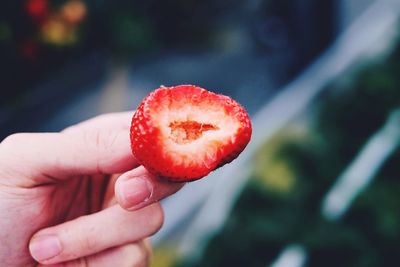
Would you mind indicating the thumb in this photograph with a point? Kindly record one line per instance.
(46, 157)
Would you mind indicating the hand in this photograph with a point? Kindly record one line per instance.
(62, 197)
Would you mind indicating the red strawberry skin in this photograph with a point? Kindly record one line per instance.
(183, 133)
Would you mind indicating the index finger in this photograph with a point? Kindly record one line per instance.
(116, 121)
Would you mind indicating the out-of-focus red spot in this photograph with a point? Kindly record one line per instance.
(37, 9)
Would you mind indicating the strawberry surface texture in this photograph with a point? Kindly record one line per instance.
(182, 133)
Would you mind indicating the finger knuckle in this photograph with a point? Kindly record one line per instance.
(87, 242)
(100, 141)
(103, 140)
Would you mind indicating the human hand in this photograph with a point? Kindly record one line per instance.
(62, 195)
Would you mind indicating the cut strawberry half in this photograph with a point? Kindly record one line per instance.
(183, 133)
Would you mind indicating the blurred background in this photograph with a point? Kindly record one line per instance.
(319, 183)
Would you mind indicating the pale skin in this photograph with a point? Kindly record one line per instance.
(78, 197)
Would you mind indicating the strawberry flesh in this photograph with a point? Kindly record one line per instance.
(182, 133)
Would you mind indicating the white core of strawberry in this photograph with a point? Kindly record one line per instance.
(193, 134)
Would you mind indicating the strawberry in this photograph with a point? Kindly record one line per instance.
(183, 133)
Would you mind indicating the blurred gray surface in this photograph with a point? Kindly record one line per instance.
(249, 78)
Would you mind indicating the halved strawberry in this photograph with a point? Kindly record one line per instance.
(183, 133)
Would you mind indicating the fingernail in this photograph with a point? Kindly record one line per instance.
(45, 247)
(135, 191)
